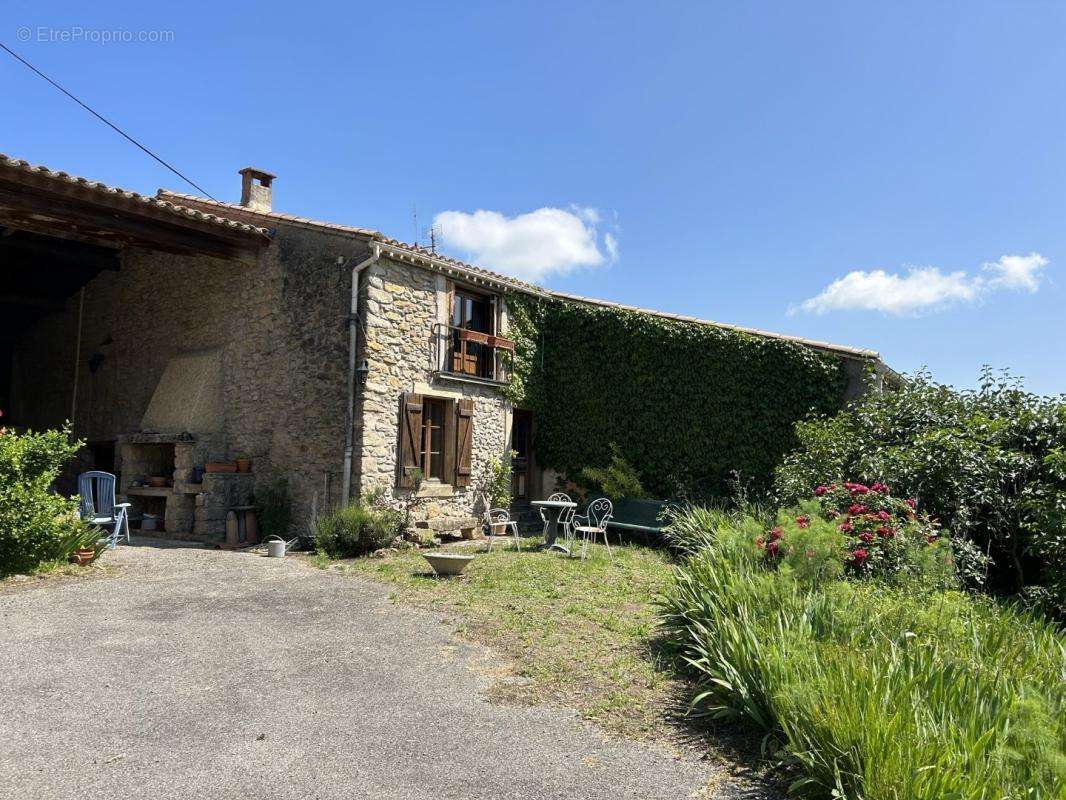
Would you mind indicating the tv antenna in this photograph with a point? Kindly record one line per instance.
(432, 235)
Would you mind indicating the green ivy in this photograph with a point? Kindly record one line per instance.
(688, 404)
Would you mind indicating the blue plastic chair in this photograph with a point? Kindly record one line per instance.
(98, 506)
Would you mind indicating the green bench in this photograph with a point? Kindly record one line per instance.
(638, 516)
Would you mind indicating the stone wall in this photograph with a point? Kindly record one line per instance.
(280, 326)
(400, 304)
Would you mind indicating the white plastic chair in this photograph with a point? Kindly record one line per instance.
(98, 506)
(594, 520)
(500, 516)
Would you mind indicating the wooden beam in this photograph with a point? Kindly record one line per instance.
(24, 206)
(31, 248)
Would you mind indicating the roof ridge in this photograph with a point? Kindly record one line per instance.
(273, 215)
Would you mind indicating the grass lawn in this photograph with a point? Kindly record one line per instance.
(582, 634)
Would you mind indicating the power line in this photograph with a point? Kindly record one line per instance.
(105, 120)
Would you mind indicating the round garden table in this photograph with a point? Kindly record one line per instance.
(553, 508)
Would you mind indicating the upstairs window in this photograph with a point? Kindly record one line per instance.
(473, 323)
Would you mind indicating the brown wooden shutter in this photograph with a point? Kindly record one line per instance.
(464, 440)
(410, 437)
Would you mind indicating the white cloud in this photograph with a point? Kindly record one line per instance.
(611, 243)
(587, 213)
(923, 289)
(532, 245)
(1017, 272)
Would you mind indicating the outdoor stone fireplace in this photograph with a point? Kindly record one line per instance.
(187, 508)
(163, 465)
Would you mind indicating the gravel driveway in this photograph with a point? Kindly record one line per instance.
(204, 674)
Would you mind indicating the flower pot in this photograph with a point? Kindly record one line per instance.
(83, 555)
(156, 481)
(243, 464)
(499, 529)
(219, 466)
(446, 564)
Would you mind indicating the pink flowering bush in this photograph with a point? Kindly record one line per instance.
(858, 530)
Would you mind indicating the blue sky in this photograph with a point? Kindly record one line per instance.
(725, 160)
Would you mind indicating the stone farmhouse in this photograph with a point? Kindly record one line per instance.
(175, 332)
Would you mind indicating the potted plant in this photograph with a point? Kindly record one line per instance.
(243, 461)
(83, 543)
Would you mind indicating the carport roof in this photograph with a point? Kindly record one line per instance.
(38, 199)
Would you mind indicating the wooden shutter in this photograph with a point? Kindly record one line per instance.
(410, 438)
(464, 440)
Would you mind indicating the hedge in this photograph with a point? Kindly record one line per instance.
(690, 405)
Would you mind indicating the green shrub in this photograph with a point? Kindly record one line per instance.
(356, 529)
(495, 480)
(35, 524)
(865, 531)
(873, 691)
(618, 479)
(988, 464)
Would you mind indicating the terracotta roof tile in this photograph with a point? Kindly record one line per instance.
(133, 197)
(267, 216)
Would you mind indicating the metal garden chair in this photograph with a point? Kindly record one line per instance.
(500, 516)
(98, 506)
(566, 519)
(594, 520)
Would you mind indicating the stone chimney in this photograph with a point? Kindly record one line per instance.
(255, 189)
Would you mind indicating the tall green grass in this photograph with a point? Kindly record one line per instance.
(874, 692)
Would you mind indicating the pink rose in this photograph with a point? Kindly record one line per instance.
(803, 521)
(845, 527)
(819, 491)
(856, 509)
(911, 502)
(884, 516)
(860, 556)
(866, 536)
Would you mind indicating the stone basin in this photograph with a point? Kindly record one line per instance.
(448, 563)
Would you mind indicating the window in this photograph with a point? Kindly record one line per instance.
(435, 439)
(431, 454)
(473, 322)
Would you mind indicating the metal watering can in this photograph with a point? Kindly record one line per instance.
(276, 547)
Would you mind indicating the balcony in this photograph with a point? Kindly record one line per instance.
(469, 356)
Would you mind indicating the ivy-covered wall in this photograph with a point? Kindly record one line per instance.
(688, 404)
